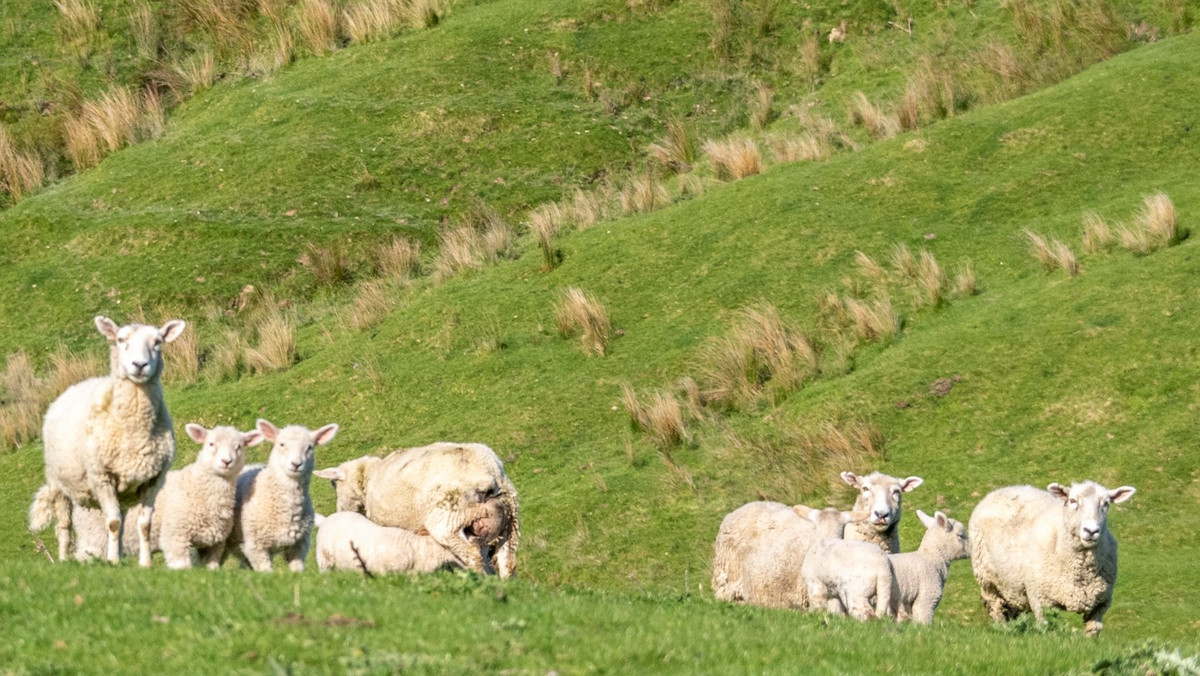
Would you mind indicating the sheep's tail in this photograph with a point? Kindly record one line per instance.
(42, 510)
(883, 595)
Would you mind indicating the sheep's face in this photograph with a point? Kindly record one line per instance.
(880, 495)
(137, 348)
(295, 447)
(222, 449)
(349, 481)
(1085, 509)
(944, 534)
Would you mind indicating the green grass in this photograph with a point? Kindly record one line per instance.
(1061, 378)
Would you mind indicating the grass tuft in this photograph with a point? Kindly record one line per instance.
(21, 172)
(399, 259)
(1097, 235)
(276, 334)
(660, 416)
(317, 26)
(879, 125)
(1052, 254)
(545, 222)
(760, 357)
(676, 151)
(579, 313)
(734, 158)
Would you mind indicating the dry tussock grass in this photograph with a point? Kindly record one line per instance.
(932, 92)
(1098, 236)
(329, 264)
(198, 71)
(24, 395)
(579, 313)
(182, 357)
(545, 222)
(225, 358)
(794, 459)
(20, 172)
(904, 264)
(734, 158)
(1154, 226)
(143, 24)
(869, 268)
(481, 237)
(424, 13)
(371, 304)
(761, 106)
(274, 51)
(803, 148)
(276, 348)
(930, 282)
(1051, 253)
(659, 416)
(643, 194)
(116, 119)
(675, 151)
(78, 27)
(399, 259)
(964, 281)
(587, 209)
(317, 25)
(368, 20)
(879, 125)
(762, 356)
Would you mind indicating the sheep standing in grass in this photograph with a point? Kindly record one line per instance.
(921, 575)
(458, 493)
(1034, 549)
(880, 495)
(854, 577)
(760, 549)
(351, 541)
(195, 507)
(109, 440)
(273, 512)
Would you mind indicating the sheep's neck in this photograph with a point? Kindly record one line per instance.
(142, 401)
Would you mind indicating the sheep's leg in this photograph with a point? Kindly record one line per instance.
(818, 597)
(993, 602)
(212, 556)
(106, 495)
(1093, 621)
(177, 552)
(922, 611)
(296, 553)
(62, 525)
(506, 556)
(258, 557)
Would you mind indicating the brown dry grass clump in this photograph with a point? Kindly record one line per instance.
(78, 27)
(317, 26)
(424, 13)
(734, 158)
(879, 125)
(643, 194)
(24, 396)
(276, 348)
(329, 264)
(182, 356)
(761, 107)
(368, 20)
(480, 238)
(964, 281)
(399, 259)
(659, 416)
(545, 222)
(20, 172)
(1154, 227)
(116, 119)
(803, 148)
(371, 304)
(762, 356)
(1097, 235)
(676, 151)
(1052, 254)
(578, 313)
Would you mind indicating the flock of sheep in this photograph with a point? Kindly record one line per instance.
(109, 444)
(1030, 550)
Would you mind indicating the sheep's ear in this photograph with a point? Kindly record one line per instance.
(803, 511)
(907, 485)
(171, 330)
(326, 434)
(851, 479)
(196, 432)
(253, 438)
(854, 517)
(333, 474)
(925, 519)
(1059, 491)
(106, 327)
(943, 521)
(269, 431)
(1121, 494)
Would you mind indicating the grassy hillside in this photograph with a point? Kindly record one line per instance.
(1054, 377)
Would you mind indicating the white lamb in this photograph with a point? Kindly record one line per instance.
(849, 576)
(880, 495)
(351, 541)
(760, 549)
(274, 512)
(109, 440)
(921, 575)
(1034, 549)
(458, 493)
(194, 509)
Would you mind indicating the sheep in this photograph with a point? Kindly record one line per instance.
(760, 549)
(849, 576)
(351, 541)
(109, 440)
(921, 575)
(273, 511)
(456, 492)
(880, 495)
(194, 509)
(1034, 549)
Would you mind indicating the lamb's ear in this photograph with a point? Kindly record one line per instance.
(1059, 491)
(269, 431)
(326, 434)
(196, 432)
(926, 519)
(106, 327)
(171, 330)
(1121, 494)
(907, 485)
(943, 521)
(804, 511)
(851, 479)
(253, 438)
(333, 474)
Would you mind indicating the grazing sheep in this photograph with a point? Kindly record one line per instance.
(351, 541)
(109, 440)
(1034, 549)
(760, 549)
(879, 495)
(194, 509)
(921, 575)
(849, 576)
(458, 493)
(273, 512)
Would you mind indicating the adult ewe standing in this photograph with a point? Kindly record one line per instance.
(458, 493)
(1034, 549)
(109, 440)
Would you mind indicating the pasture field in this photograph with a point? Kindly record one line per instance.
(271, 200)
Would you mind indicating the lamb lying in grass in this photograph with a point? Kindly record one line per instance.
(921, 575)
(351, 541)
(1033, 549)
